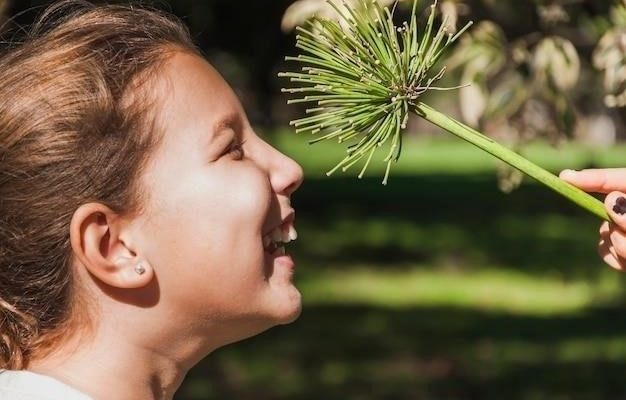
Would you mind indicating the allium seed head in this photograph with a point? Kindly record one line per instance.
(372, 74)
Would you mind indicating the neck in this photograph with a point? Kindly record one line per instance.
(109, 368)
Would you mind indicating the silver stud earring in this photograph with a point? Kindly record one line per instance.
(140, 269)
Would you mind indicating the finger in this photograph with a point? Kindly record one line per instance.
(605, 236)
(615, 203)
(596, 180)
(607, 250)
(618, 243)
(605, 230)
(607, 256)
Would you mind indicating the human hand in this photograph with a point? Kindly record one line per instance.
(612, 182)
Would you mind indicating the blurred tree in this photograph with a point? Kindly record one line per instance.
(533, 84)
(302, 10)
(610, 57)
(3, 8)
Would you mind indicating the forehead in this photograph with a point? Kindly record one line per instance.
(192, 94)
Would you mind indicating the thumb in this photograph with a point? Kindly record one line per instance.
(596, 180)
(615, 203)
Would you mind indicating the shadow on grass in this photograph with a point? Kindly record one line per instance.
(460, 220)
(354, 352)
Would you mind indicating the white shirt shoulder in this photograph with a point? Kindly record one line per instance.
(26, 385)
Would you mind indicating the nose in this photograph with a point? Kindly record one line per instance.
(285, 174)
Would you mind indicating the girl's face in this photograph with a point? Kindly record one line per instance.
(215, 192)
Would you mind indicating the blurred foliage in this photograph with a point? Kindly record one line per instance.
(610, 57)
(530, 84)
(3, 8)
(302, 10)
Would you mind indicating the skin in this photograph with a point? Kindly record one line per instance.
(207, 281)
(612, 183)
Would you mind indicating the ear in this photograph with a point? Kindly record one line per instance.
(95, 236)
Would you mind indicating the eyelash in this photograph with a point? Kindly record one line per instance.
(236, 148)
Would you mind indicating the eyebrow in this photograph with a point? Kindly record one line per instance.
(229, 121)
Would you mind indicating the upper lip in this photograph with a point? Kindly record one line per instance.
(287, 220)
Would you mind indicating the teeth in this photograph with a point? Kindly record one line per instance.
(285, 237)
(280, 251)
(277, 235)
(293, 235)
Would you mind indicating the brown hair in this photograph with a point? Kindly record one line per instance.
(70, 133)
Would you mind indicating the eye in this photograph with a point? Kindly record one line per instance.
(235, 148)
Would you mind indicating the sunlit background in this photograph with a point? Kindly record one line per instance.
(455, 281)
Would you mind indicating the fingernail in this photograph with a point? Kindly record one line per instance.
(620, 205)
(567, 172)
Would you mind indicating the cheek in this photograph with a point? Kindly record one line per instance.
(238, 204)
(207, 226)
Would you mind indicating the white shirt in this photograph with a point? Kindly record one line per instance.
(25, 385)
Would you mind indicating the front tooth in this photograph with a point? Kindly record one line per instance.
(293, 235)
(286, 238)
(281, 251)
(277, 235)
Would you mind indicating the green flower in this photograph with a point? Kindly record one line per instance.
(364, 76)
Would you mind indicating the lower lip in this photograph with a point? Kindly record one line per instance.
(284, 260)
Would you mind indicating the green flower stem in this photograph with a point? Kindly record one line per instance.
(487, 144)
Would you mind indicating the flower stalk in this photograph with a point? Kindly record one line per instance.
(362, 76)
(492, 147)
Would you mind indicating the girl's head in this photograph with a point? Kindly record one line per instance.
(135, 198)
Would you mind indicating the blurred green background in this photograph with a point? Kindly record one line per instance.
(437, 286)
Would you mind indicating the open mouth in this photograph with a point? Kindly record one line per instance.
(275, 241)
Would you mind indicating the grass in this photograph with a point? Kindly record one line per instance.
(436, 287)
(445, 155)
(489, 289)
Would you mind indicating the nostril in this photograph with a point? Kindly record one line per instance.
(297, 178)
(293, 187)
(287, 176)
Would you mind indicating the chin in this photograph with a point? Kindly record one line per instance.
(290, 309)
(283, 316)
(292, 316)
